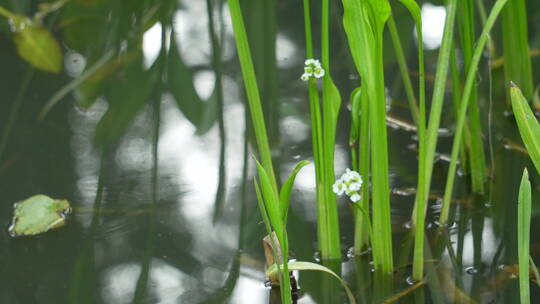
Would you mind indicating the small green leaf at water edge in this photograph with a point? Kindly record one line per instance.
(38, 214)
(37, 46)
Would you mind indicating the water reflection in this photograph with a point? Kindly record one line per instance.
(193, 250)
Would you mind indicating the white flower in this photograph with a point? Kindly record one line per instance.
(312, 68)
(355, 186)
(355, 176)
(349, 183)
(339, 188)
(318, 72)
(304, 77)
(347, 176)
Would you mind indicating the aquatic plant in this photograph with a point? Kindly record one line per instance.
(323, 132)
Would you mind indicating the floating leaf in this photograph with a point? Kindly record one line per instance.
(38, 214)
(316, 267)
(37, 46)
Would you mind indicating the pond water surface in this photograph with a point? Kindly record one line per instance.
(172, 217)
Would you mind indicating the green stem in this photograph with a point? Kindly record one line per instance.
(403, 69)
(471, 74)
(426, 166)
(361, 236)
(477, 155)
(328, 226)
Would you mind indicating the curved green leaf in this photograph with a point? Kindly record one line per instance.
(528, 126)
(356, 103)
(286, 189)
(316, 267)
(271, 201)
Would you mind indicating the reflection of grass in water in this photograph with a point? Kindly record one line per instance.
(83, 279)
(369, 122)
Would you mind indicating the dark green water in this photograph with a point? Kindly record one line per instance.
(164, 209)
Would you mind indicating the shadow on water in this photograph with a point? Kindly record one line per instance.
(153, 152)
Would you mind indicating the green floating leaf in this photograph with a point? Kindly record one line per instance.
(527, 124)
(524, 231)
(38, 214)
(286, 189)
(316, 267)
(37, 46)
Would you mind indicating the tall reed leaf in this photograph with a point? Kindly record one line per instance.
(477, 157)
(469, 83)
(524, 231)
(425, 163)
(364, 24)
(252, 90)
(528, 126)
(517, 62)
(414, 10)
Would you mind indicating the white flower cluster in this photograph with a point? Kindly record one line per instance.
(349, 183)
(312, 68)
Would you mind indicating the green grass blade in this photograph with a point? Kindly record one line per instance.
(477, 154)
(252, 90)
(535, 271)
(456, 100)
(414, 10)
(517, 62)
(271, 215)
(262, 208)
(426, 164)
(297, 265)
(271, 201)
(524, 231)
(403, 69)
(267, 224)
(286, 189)
(471, 74)
(528, 126)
